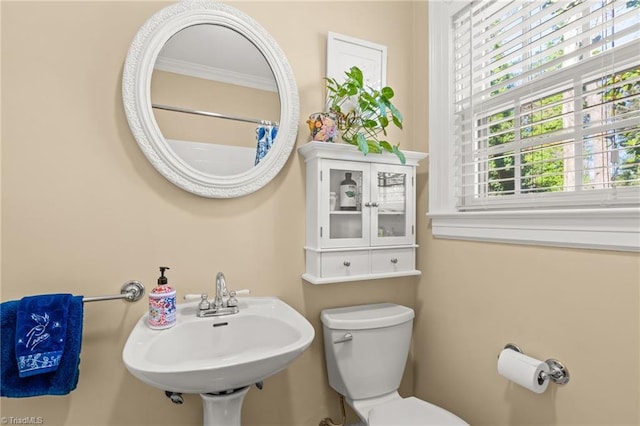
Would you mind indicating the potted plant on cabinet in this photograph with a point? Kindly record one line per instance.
(363, 113)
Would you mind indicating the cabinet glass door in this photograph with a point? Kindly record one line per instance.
(391, 205)
(345, 223)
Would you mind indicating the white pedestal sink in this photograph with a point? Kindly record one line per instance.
(218, 357)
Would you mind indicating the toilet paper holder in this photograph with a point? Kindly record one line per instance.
(557, 370)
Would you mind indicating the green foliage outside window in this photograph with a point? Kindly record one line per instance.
(542, 167)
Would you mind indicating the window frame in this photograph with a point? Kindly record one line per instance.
(611, 228)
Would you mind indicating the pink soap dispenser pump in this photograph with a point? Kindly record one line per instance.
(162, 304)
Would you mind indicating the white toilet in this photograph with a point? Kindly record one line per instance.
(366, 350)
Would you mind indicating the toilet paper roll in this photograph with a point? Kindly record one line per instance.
(523, 370)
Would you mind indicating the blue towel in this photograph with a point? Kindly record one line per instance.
(59, 381)
(41, 328)
(265, 135)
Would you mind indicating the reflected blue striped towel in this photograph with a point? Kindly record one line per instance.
(265, 136)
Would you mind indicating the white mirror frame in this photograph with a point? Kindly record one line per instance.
(136, 94)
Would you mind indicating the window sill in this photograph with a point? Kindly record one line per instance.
(603, 229)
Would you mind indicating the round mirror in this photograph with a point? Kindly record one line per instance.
(210, 99)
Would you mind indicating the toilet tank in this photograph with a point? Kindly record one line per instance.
(366, 348)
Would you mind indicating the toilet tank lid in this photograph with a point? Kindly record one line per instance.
(366, 316)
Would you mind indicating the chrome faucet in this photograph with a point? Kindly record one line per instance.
(221, 291)
(219, 306)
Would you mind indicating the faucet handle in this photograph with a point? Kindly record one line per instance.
(204, 303)
(192, 296)
(233, 300)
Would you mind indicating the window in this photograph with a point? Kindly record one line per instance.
(539, 141)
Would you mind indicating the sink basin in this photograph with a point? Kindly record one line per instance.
(215, 354)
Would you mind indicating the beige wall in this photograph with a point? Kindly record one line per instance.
(83, 211)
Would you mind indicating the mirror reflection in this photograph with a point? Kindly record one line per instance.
(215, 99)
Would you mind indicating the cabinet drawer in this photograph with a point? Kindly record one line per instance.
(345, 263)
(395, 260)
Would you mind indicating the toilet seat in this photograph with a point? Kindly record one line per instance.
(412, 411)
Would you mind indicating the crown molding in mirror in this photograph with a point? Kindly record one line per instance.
(136, 93)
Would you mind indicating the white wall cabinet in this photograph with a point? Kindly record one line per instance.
(363, 234)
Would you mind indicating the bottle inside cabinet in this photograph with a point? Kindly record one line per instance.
(348, 193)
(346, 220)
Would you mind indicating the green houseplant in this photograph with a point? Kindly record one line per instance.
(364, 113)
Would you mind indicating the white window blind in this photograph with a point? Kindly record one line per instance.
(547, 104)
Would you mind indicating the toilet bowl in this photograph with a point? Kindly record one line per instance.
(366, 349)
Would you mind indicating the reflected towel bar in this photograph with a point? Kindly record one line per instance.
(131, 291)
(215, 114)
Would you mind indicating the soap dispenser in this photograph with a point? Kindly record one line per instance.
(162, 304)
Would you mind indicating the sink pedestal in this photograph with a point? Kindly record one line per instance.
(223, 409)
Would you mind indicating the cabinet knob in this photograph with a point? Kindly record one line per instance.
(367, 204)
(346, 263)
(394, 260)
(375, 204)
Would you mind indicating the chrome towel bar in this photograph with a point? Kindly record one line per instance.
(131, 291)
(214, 114)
